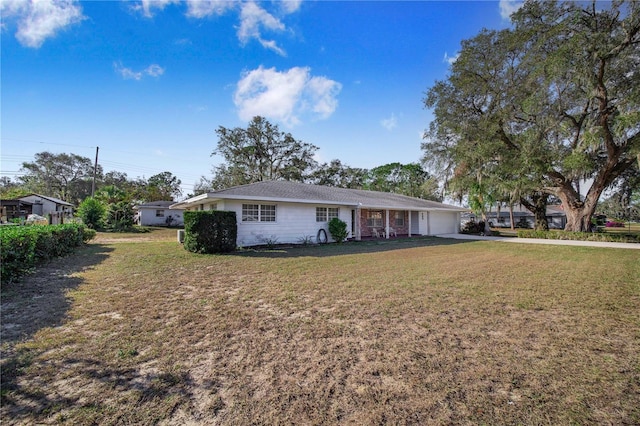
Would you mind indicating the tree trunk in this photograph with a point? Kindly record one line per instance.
(513, 225)
(578, 212)
(487, 228)
(538, 206)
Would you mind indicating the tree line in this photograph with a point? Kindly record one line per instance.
(261, 151)
(70, 177)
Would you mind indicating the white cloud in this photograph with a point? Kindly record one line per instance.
(450, 59)
(202, 9)
(389, 123)
(508, 7)
(253, 19)
(153, 70)
(149, 6)
(39, 20)
(290, 6)
(285, 96)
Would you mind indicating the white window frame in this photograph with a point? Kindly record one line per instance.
(325, 214)
(265, 213)
(399, 217)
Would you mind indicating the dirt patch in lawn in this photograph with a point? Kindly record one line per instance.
(403, 333)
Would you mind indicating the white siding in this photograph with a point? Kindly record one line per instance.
(43, 207)
(148, 216)
(294, 223)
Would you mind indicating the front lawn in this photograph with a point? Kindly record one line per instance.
(422, 331)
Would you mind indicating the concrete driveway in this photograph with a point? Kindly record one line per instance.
(601, 244)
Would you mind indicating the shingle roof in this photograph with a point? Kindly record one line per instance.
(304, 193)
(52, 199)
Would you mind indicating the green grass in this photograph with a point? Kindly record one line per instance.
(421, 331)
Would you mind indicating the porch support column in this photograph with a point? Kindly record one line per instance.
(386, 226)
(409, 222)
(357, 225)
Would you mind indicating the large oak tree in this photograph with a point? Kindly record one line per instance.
(551, 106)
(260, 152)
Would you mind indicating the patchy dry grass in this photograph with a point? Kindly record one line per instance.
(421, 331)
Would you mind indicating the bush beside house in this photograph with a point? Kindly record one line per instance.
(210, 231)
(338, 230)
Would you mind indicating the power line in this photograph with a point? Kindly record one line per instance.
(45, 143)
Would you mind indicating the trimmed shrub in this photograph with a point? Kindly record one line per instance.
(579, 236)
(24, 247)
(211, 231)
(338, 230)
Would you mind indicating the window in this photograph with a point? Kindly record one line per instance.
(321, 214)
(374, 219)
(399, 218)
(267, 213)
(325, 214)
(258, 213)
(250, 212)
(159, 213)
(213, 206)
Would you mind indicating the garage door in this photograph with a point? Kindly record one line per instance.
(443, 223)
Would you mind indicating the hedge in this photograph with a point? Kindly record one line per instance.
(212, 231)
(24, 247)
(579, 236)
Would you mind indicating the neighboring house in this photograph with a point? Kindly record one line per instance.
(523, 218)
(15, 209)
(54, 209)
(157, 213)
(290, 212)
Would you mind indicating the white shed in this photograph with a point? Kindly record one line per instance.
(157, 213)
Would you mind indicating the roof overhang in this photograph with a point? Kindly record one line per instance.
(215, 198)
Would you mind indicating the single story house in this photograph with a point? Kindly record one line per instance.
(523, 218)
(54, 209)
(157, 213)
(291, 212)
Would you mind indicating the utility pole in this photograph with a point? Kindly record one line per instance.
(95, 171)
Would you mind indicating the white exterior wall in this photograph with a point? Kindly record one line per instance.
(148, 216)
(443, 222)
(294, 223)
(47, 205)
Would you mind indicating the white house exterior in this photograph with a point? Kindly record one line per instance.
(157, 213)
(54, 209)
(291, 212)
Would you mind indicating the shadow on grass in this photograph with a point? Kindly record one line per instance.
(347, 248)
(158, 395)
(37, 301)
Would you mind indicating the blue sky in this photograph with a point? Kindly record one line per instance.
(149, 82)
